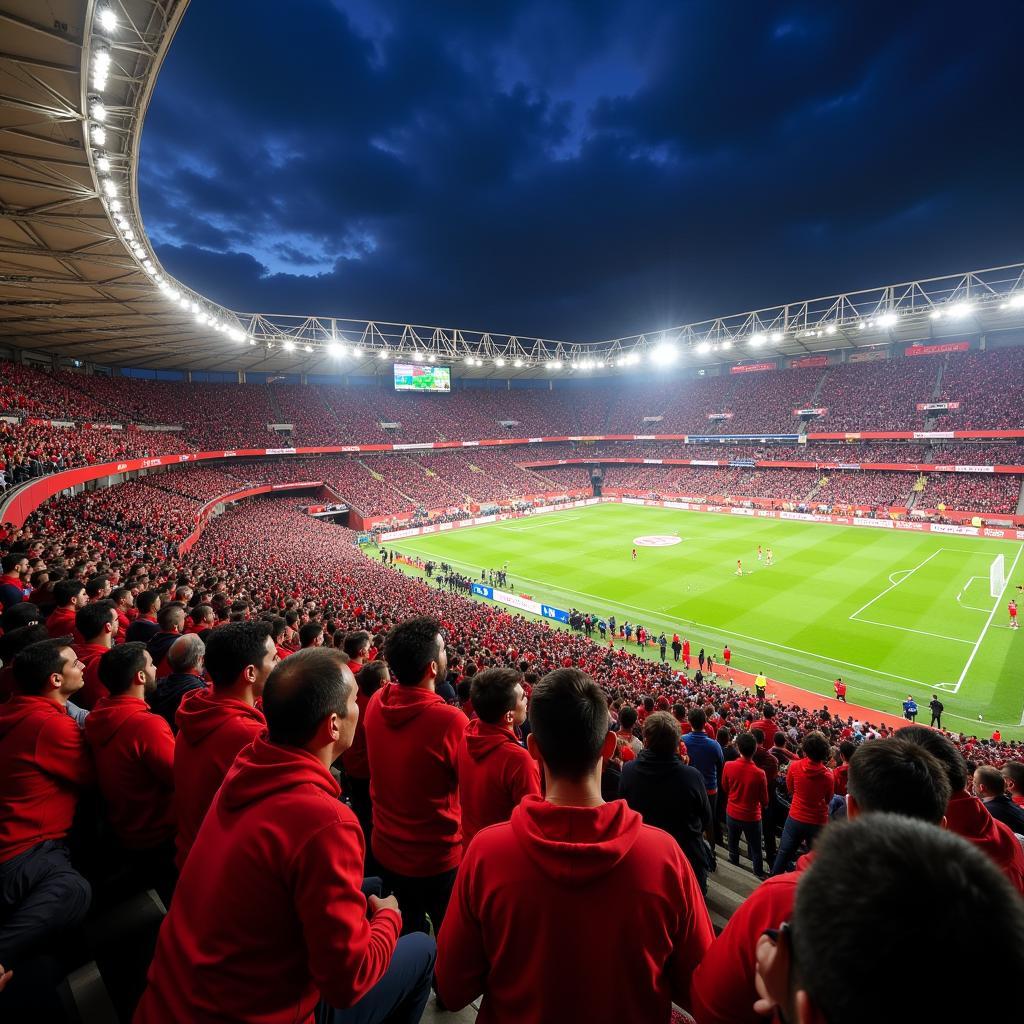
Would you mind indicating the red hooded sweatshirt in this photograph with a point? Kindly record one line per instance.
(723, 985)
(531, 924)
(811, 785)
(44, 763)
(134, 753)
(92, 689)
(495, 773)
(746, 789)
(355, 760)
(967, 816)
(211, 731)
(412, 738)
(269, 914)
(61, 622)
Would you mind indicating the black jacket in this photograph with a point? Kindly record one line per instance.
(170, 691)
(671, 796)
(1003, 809)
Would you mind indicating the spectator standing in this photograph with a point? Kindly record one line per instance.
(705, 755)
(990, 788)
(937, 708)
(910, 709)
(96, 623)
(543, 883)
(745, 788)
(811, 786)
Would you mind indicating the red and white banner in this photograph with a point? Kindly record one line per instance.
(810, 412)
(936, 406)
(873, 355)
(935, 350)
(753, 367)
(803, 361)
(719, 415)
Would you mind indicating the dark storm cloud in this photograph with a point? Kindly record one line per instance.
(579, 169)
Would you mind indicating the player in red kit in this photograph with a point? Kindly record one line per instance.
(1013, 615)
(634, 554)
(840, 688)
(739, 567)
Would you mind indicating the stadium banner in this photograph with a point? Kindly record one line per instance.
(959, 531)
(481, 591)
(525, 604)
(743, 463)
(807, 361)
(934, 433)
(753, 367)
(810, 412)
(719, 415)
(870, 356)
(554, 613)
(705, 462)
(934, 350)
(974, 469)
(936, 406)
(885, 524)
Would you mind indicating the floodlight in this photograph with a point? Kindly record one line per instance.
(499, 362)
(107, 19)
(757, 339)
(99, 135)
(518, 363)
(888, 320)
(960, 309)
(103, 165)
(289, 346)
(97, 111)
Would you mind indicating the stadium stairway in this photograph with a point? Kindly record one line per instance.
(279, 416)
(1020, 500)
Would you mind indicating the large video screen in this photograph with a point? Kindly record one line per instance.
(413, 377)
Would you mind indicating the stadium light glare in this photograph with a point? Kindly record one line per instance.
(107, 19)
(727, 344)
(517, 363)
(183, 301)
(888, 320)
(103, 164)
(776, 336)
(97, 111)
(961, 309)
(862, 326)
(704, 348)
(115, 205)
(499, 362)
(418, 356)
(336, 350)
(99, 135)
(289, 346)
(431, 358)
(831, 329)
(1016, 301)
(309, 348)
(757, 340)
(554, 364)
(469, 360)
(129, 234)
(936, 314)
(382, 354)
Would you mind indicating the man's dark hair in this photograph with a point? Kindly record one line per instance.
(768, 712)
(371, 677)
(697, 719)
(277, 628)
(661, 734)
(746, 744)
(941, 747)
(992, 779)
(18, 639)
(355, 641)
(627, 718)
(861, 870)
(120, 665)
(302, 691)
(410, 648)
(569, 721)
(1014, 770)
(95, 585)
(171, 616)
(493, 693)
(758, 735)
(308, 632)
(815, 747)
(779, 739)
(10, 561)
(846, 750)
(65, 591)
(24, 613)
(118, 593)
(230, 648)
(899, 777)
(146, 601)
(37, 662)
(91, 618)
(200, 612)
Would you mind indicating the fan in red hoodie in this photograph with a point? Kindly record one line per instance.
(967, 815)
(215, 724)
(495, 769)
(70, 596)
(412, 739)
(811, 786)
(96, 623)
(133, 748)
(268, 915)
(44, 763)
(527, 928)
(885, 776)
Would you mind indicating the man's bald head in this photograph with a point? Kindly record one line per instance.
(302, 691)
(186, 654)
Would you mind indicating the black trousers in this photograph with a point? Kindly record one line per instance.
(40, 894)
(937, 721)
(420, 898)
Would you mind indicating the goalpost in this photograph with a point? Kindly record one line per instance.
(997, 577)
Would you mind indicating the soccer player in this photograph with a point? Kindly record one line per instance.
(759, 554)
(739, 567)
(768, 557)
(634, 554)
(1013, 615)
(840, 688)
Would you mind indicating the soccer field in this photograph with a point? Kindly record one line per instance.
(891, 612)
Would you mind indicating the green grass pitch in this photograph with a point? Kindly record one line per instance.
(891, 612)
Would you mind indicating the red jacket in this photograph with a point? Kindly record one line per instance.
(412, 737)
(92, 690)
(768, 727)
(967, 816)
(811, 785)
(531, 923)
(61, 622)
(746, 789)
(44, 762)
(134, 753)
(269, 914)
(495, 773)
(355, 760)
(723, 985)
(840, 778)
(211, 731)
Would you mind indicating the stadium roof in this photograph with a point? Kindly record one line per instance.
(79, 278)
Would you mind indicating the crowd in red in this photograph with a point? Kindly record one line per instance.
(986, 384)
(984, 492)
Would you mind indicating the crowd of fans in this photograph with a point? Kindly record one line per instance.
(981, 492)
(275, 650)
(986, 384)
(877, 396)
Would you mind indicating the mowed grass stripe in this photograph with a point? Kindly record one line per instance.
(795, 614)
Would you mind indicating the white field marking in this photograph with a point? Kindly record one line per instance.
(1021, 722)
(547, 522)
(898, 572)
(893, 586)
(988, 621)
(907, 629)
(701, 625)
(971, 607)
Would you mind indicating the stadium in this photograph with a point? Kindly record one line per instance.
(806, 519)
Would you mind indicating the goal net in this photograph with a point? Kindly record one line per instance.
(997, 577)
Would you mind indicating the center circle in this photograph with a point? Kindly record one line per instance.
(657, 540)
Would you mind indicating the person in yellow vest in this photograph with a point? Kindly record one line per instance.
(760, 686)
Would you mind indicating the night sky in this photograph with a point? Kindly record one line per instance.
(580, 169)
